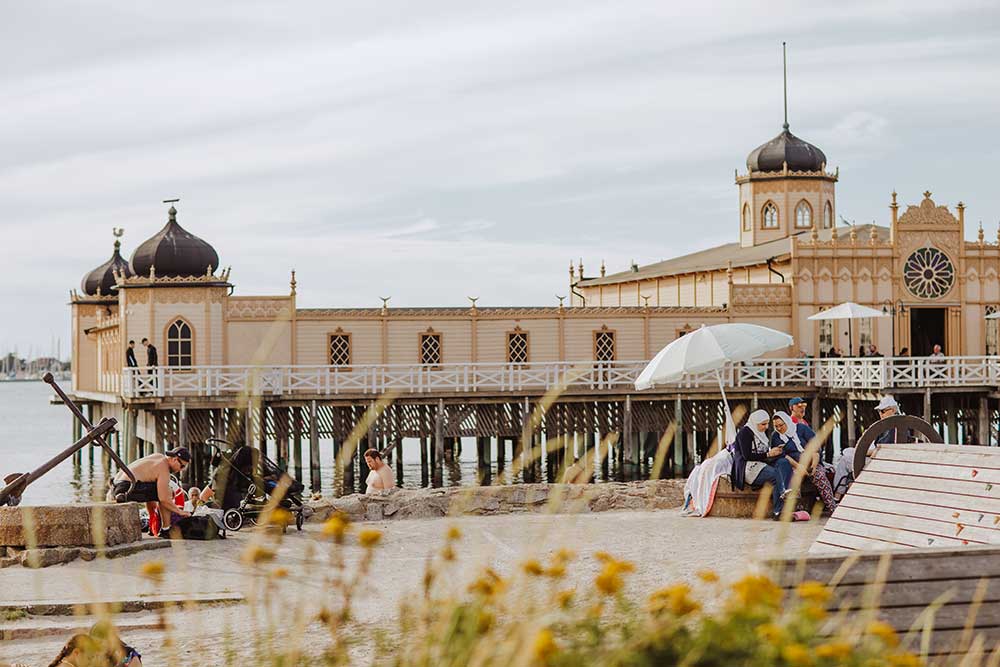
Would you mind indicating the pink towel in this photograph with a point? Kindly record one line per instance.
(800, 515)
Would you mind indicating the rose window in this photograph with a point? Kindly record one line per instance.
(928, 273)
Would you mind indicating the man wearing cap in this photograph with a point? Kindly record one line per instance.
(152, 474)
(797, 409)
(887, 407)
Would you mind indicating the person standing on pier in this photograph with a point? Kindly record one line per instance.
(130, 355)
(151, 359)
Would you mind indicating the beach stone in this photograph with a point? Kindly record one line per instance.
(48, 556)
(70, 525)
(505, 499)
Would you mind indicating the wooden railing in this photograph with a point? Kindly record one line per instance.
(874, 373)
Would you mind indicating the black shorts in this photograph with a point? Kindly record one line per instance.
(142, 492)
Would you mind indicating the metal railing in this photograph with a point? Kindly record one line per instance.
(873, 373)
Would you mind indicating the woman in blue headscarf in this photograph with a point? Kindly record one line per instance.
(787, 437)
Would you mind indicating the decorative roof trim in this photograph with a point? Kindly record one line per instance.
(504, 313)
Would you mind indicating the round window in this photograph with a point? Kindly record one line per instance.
(928, 273)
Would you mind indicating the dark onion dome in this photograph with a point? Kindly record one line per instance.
(786, 148)
(174, 251)
(102, 279)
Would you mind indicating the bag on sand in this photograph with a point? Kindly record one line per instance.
(200, 527)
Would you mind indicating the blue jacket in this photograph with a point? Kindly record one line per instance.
(743, 451)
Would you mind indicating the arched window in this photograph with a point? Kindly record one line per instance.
(769, 216)
(828, 216)
(746, 217)
(803, 215)
(180, 344)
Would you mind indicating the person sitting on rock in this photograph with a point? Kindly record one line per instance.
(787, 436)
(751, 454)
(152, 486)
(380, 479)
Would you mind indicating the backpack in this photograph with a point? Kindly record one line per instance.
(200, 527)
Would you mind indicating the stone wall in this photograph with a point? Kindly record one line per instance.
(70, 525)
(507, 499)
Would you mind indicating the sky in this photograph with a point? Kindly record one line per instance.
(444, 149)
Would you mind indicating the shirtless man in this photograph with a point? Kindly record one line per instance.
(380, 478)
(152, 474)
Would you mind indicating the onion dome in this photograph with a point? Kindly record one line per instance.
(786, 148)
(102, 279)
(174, 251)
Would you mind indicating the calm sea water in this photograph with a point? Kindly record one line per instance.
(32, 430)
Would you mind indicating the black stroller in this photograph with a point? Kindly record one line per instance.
(236, 484)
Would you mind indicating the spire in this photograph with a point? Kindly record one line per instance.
(784, 74)
(603, 270)
(292, 283)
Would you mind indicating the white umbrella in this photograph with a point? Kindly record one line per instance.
(848, 311)
(711, 348)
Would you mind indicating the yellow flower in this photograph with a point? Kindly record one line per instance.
(369, 537)
(675, 599)
(484, 622)
(814, 591)
(279, 517)
(814, 612)
(565, 598)
(448, 553)
(608, 582)
(596, 610)
(279, 573)
(336, 526)
(153, 570)
(834, 650)
(771, 633)
(454, 533)
(603, 556)
(533, 567)
(564, 555)
(544, 645)
(755, 589)
(488, 584)
(905, 660)
(257, 554)
(796, 654)
(883, 631)
(557, 571)
(708, 576)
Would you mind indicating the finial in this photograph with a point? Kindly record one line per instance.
(581, 268)
(645, 301)
(172, 212)
(152, 272)
(561, 299)
(602, 268)
(927, 194)
(784, 75)
(292, 283)
(814, 233)
(894, 204)
(385, 304)
(872, 234)
(961, 205)
(854, 232)
(208, 271)
(981, 235)
(473, 300)
(572, 271)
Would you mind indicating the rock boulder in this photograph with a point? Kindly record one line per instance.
(88, 525)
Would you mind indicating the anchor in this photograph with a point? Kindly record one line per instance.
(16, 483)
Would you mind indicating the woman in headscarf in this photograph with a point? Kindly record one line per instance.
(787, 437)
(751, 453)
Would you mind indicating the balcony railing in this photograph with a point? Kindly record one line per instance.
(874, 373)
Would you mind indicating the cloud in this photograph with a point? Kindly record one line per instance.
(438, 150)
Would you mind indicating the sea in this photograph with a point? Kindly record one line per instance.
(33, 430)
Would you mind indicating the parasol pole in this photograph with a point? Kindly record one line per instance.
(730, 427)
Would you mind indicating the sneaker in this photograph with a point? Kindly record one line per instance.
(165, 532)
(120, 497)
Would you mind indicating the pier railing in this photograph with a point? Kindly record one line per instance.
(865, 373)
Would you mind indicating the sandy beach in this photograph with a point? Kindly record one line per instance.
(664, 546)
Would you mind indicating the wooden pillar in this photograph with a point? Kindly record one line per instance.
(952, 420)
(363, 445)
(627, 438)
(262, 429)
(438, 472)
(281, 428)
(851, 434)
(589, 450)
(679, 435)
(815, 417)
(90, 447)
(398, 446)
(315, 478)
(423, 462)
(604, 443)
(983, 426)
(182, 440)
(523, 449)
(928, 415)
(132, 444)
(501, 453)
(483, 461)
(297, 441)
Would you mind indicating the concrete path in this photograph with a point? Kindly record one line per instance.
(664, 546)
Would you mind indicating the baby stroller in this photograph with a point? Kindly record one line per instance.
(237, 485)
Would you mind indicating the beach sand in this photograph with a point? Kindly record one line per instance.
(665, 547)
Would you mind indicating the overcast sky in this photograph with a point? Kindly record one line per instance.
(437, 150)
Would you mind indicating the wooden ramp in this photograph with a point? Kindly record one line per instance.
(919, 495)
(939, 598)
